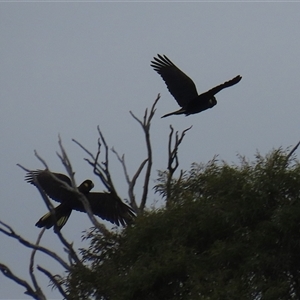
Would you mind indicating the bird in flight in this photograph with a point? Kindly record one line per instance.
(183, 89)
(105, 205)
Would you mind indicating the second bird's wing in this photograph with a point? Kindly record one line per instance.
(179, 84)
(108, 207)
(224, 85)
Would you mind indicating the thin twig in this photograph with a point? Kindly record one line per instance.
(101, 170)
(29, 290)
(106, 171)
(31, 264)
(131, 182)
(66, 163)
(146, 128)
(173, 161)
(71, 251)
(11, 233)
(292, 151)
(69, 246)
(52, 278)
(68, 166)
(41, 160)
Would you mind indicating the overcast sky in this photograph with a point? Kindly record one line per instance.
(68, 67)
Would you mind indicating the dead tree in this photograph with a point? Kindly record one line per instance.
(101, 169)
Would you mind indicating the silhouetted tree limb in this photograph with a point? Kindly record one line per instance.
(29, 290)
(35, 292)
(40, 159)
(31, 264)
(37, 185)
(292, 151)
(58, 284)
(131, 182)
(145, 124)
(100, 169)
(68, 246)
(67, 164)
(7, 230)
(173, 161)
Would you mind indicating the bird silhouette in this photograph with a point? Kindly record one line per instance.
(183, 89)
(105, 205)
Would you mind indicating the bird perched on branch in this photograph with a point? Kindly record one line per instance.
(105, 205)
(183, 89)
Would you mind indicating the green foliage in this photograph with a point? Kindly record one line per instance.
(230, 232)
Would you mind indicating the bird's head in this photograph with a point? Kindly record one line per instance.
(86, 186)
(212, 101)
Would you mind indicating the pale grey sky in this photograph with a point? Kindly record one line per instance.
(68, 67)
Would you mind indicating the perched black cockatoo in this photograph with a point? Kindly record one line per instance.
(105, 205)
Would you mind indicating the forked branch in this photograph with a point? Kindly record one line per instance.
(145, 124)
(100, 169)
(68, 246)
(38, 295)
(7, 230)
(67, 164)
(173, 161)
(131, 182)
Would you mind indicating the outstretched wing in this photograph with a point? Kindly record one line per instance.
(55, 189)
(179, 84)
(224, 85)
(108, 207)
(105, 205)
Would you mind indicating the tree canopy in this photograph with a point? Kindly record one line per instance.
(228, 232)
(224, 231)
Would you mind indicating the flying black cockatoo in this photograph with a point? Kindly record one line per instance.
(183, 89)
(105, 205)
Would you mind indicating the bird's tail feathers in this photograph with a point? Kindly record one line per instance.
(61, 216)
(177, 112)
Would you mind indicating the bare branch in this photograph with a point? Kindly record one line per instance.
(23, 168)
(11, 233)
(31, 265)
(69, 247)
(146, 128)
(173, 161)
(106, 171)
(29, 290)
(68, 166)
(131, 182)
(53, 279)
(97, 168)
(66, 163)
(292, 151)
(83, 148)
(41, 160)
(122, 161)
(100, 170)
